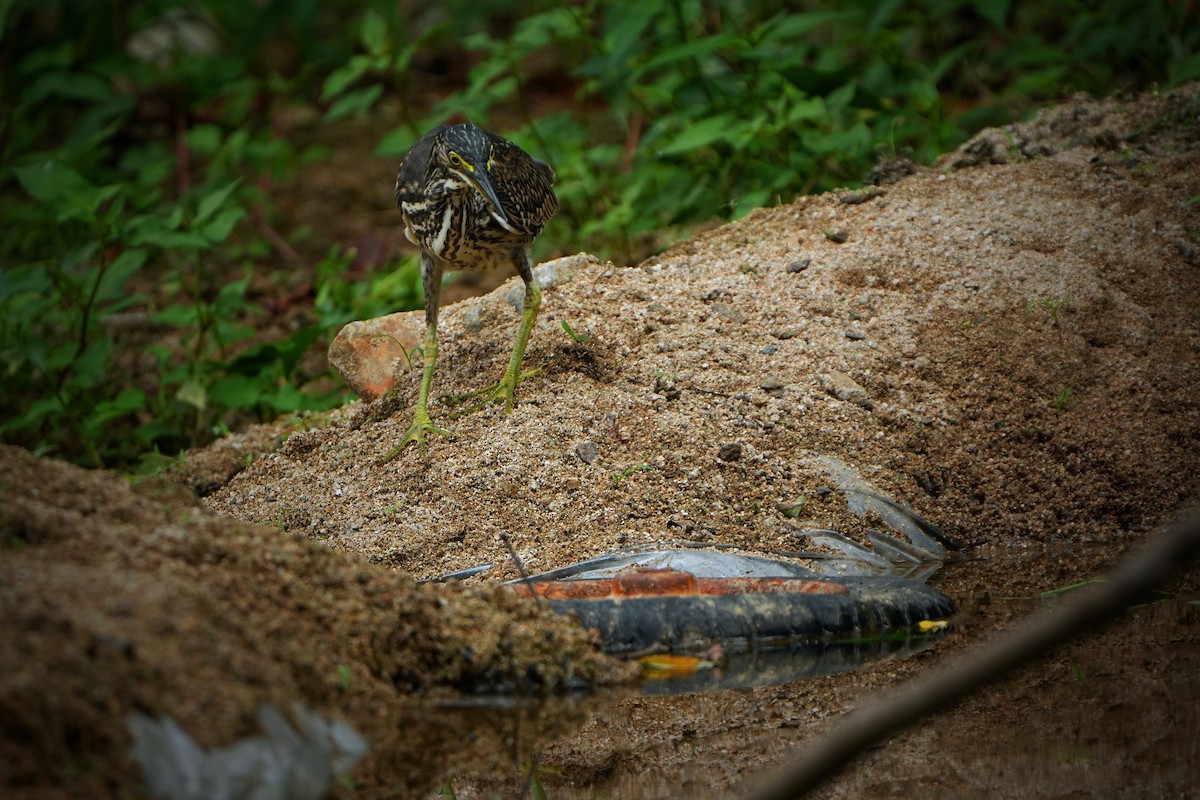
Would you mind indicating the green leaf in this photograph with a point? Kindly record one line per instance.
(624, 36)
(163, 232)
(64, 189)
(214, 200)
(128, 401)
(112, 285)
(374, 33)
(286, 398)
(259, 358)
(90, 366)
(35, 415)
(404, 58)
(555, 27)
(698, 134)
(232, 294)
(236, 391)
(693, 49)
(204, 139)
(1184, 70)
(358, 102)
(153, 432)
(344, 76)
(750, 201)
(840, 97)
(48, 58)
(68, 85)
(178, 316)
(805, 109)
(791, 26)
(35, 278)
(994, 11)
(192, 393)
(395, 143)
(218, 230)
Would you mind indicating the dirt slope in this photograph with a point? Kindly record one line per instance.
(1011, 348)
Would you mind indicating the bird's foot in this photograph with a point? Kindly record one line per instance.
(503, 391)
(421, 425)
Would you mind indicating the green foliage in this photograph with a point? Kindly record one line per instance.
(1052, 305)
(127, 299)
(691, 110)
(578, 338)
(142, 166)
(621, 475)
(1060, 402)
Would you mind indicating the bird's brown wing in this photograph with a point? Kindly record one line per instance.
(410, 179)
(524, 185)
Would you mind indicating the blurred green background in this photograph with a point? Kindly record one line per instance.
(197, 195)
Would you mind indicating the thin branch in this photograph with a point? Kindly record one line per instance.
(1099, 603)
(516, 559)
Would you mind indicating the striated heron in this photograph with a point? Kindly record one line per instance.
(471, 200)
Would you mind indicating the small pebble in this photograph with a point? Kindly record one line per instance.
(772, 386)
(587, 452)
(728, 312)
(730, 451)
(799, 265)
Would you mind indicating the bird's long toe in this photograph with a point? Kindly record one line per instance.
(421, 425)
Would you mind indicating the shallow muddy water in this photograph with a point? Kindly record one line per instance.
(1111, 714)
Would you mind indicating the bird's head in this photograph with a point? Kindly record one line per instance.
(466, 151)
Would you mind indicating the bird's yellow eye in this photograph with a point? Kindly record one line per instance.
(491, 155)
(456, 160)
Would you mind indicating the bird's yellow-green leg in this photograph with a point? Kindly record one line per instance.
(504, 391)
(421, 423)
(431, 275)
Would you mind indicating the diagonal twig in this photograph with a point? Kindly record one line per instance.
(1093, 606)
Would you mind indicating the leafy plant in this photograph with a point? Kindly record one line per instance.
(625, 473)
(580, 338)
(688, 111)
(1052, 304)
(127, 303)
(1060, 402)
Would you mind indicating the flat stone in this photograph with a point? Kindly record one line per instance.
(365, 353)
(773, 386)
(588, 452)
(551, 273)
(728, 312)
(843, 387)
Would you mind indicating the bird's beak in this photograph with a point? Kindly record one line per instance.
(483, 182)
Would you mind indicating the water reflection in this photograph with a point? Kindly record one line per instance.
(748, 670)
(493, 746)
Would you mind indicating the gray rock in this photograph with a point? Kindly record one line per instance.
(294, 762)
(843, 387)
(588, 452)
(730, 451)
(728, 312)
(773, 386)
